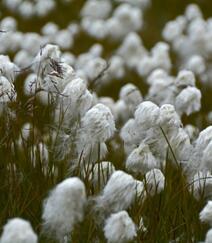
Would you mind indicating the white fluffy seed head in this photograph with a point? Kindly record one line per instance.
(188, 101)
(206, 214)
(22, 58)
(207, 157)
(160, 48)
(141, 159)
(121, 110)
(32, 42)
(7, 90)
(75, 100)
(68, 58)
(201, 143)
(193, 12)
(204, 138)
(119, 228)
(145, 66)
(196, 64)
(19, 231)
(64, 39)
(196, 30)
(157, 144)
(95, 27)
(43, 8)
(156, 74)
(64, 207)
(109, 102)
(55, 82)
(85, 102)
(68, 75)
(147, 114)
(181, 145)
(97, 125)
(208, 238)
(49, 29)
(8, 24)
(96, 9)
(12, 4)
(185, 78)
(118, 193)
(155, 181)
(192, 131)
(132, 50)
(162, 91)
(169, 117)
(42, 60)
(8, 68)
(96, 50)
(26, 9)
(201, 185)
(160, 56)
(94, 67)
(173, 30)
(131, 96)
(125, 19)
(116, 69)
(131, 135)
(74, 89)
(31, 84)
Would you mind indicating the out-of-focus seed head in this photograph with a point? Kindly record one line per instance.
(19, 231)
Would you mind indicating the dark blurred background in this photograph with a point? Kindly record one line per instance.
(155, 17)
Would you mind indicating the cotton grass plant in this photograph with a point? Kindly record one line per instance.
(82, 164)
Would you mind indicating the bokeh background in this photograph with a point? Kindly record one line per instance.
(155, 17)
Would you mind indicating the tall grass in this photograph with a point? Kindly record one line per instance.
(172, 214)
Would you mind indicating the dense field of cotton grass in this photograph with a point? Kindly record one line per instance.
(105, 121)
